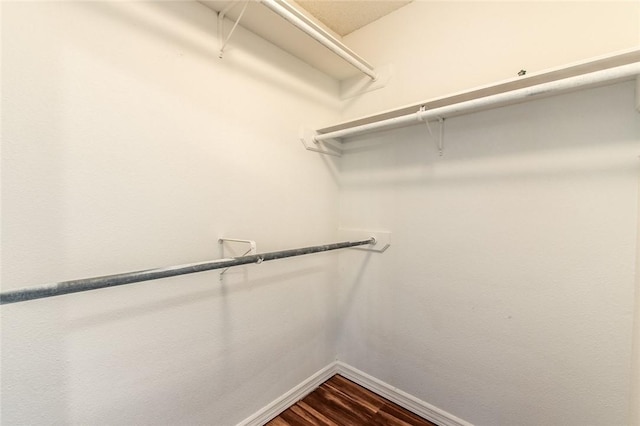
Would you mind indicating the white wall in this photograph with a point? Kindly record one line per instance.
(127, 144)
(436, 48)
(635, 368)
(508, 294)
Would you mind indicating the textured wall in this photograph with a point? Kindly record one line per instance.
(127, 144)
(507, 296)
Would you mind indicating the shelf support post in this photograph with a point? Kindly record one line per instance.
(221, 38)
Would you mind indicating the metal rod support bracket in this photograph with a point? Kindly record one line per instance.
(638, 93)
(221, 37)
(419, 115)
(252, 249)
(308, 139)
(380, 240)
(441, 137)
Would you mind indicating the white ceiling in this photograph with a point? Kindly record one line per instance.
(346, 16)
(339, 17)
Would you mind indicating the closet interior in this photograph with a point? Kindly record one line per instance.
(436, 200)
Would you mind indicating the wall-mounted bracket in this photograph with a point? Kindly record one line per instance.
(359, 85)
(307, 137)
(252, 249)
(440, 135)
(423, 109)
(441, 138)
(221, 38)
(382, 239)
(638, 93)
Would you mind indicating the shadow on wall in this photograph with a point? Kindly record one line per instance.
(554, 137)
(351, 287)
(191, 27)
(20, 393)
(219, 290)
(356, 282)
(207, 354)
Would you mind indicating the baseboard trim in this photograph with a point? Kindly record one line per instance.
(291, 397)
(403, 399)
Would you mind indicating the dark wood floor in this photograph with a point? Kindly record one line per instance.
(340, 402)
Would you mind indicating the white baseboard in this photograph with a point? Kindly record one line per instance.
(290, 398)
(403, 399)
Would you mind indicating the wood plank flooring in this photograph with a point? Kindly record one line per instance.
(340, 402)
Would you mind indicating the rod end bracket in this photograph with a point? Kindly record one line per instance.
(381, 239)
(310, 143)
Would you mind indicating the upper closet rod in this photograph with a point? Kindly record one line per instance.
(86, 284)
(492, 101)
(282, 8)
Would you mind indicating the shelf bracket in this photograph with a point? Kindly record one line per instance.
(252, 249)
(423, 109)
(221, 38)
(440, 135)
(638, 93)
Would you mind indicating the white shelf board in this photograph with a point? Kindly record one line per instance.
(269, 26)
(571, 70)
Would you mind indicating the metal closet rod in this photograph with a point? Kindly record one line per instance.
(293, 16)
(86, 284)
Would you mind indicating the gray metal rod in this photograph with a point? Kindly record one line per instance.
(86, 284)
